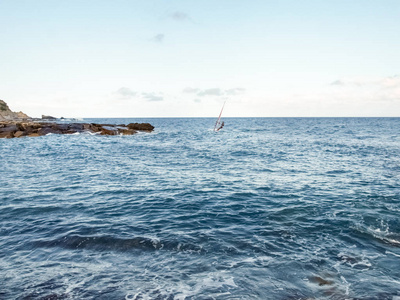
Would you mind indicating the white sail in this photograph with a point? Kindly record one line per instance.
(218, 123)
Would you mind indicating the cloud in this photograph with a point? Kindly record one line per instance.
(384, 82)
(152, 97)
(159, 38)
(391, 82)
(352, 82)
(235, 91)
(125, 93)
(210, 92)
(214, 91)
(190, 90)
(365, 90)
(179, 16)
(338, 82)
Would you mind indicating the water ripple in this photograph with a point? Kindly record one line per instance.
(264, 209)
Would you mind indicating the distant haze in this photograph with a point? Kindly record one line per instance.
(288, 58)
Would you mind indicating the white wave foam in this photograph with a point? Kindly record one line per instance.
(354, 260)
(382, 233)
(389, 252)
(346, 284)
(215, 281)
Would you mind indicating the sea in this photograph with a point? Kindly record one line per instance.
(266, 208)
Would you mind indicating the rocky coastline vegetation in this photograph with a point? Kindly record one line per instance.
(16, 125)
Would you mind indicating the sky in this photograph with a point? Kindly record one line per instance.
(183, 58)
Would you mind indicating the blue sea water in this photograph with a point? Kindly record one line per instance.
(267, 208)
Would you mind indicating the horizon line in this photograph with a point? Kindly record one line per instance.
(213, 117)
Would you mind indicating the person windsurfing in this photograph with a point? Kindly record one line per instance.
(218, 125)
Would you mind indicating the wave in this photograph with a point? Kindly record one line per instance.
(117, 244)
(384, 236)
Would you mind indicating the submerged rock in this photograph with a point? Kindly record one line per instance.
(320, 281)
(11, 129)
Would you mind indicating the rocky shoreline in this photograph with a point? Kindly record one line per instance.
(13, 129)
(16, 125)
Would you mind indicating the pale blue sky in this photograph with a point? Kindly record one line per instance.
(117, 58)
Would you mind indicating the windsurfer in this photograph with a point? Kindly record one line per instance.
(218, 125)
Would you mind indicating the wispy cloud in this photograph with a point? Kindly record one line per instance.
(125, 93)
(179, 16)
(190, 90)
(159, 38)
(384, 82)
(338, 82)
(235, 91)
(363, 90)
(152, 97)
(391, 82)
(210, 92)
(214, 91)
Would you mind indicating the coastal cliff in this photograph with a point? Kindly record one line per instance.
(6, 114)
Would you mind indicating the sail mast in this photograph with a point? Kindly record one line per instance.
(219, 118)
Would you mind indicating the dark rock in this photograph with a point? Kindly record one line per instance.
(141, 126)
(44, 117)
(55, 297)
(31, 126)
(95, 127)
(47, 130)
(10, 128)
(321, 281)
(77, 127)
(61, 127)
(87, 127)
(20, 126)
(6, 134)
(127, 131)
(105, 131)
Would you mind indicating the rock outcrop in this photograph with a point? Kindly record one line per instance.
(15, 125)
(12, 129)
(22, 115)
(141, 126)
(48, 118)
(7, 114)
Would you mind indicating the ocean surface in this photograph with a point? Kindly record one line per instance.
(267, 208)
